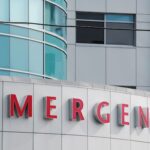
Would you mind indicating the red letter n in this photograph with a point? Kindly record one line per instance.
(141, 117)
(16, 109)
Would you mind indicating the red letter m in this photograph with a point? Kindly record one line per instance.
(15, 109)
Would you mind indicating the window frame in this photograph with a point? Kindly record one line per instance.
(105, 26)
(91, 20)
(123, 22)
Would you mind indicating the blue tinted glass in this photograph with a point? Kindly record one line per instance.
(4, 10)
(55, 16)
(62, 3)
(55, 63)
(19, 31)
(19, 10)
(36, 35)
(36, 57)
(4, 53)
(4, 28)
(55, 41)
(36, 13)
(119, 18)
(19, 55)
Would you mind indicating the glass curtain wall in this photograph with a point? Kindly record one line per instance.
(33, 50)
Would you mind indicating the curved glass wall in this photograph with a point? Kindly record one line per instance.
(57, 17)
(33, 50)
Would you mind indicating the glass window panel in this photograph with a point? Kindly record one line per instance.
(121, 37)
(19, 55)
(55, 16)
(62, 3)
(55, 41)
(55, 63)
(16, 30)
(90, 35)
(90, 16)
(4, 28)
(36, 35)
(19, 10)
(119, 18)
(4, 10)
(36, 57)
(36, 12)
(4, 54)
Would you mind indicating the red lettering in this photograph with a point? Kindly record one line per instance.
(14, 107)
(141, 117)
(76, 106)
(105, 118)
(49, 107)
(122, 114)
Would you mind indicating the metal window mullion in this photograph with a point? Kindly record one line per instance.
(40, 30)
(105, 38)
(44, 38)
(89, 20)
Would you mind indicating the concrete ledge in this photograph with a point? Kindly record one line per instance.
(74, 84)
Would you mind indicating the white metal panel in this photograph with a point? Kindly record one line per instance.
(71, 52)
(121, 132)
(143, 38)
(73, 127)
(42, 125)
(16, 124)
(144, 88)
(121, 66)
(117, 144)
(139, 146)
(94, 128)
(47, 142)
(90, 64)
(1, 145)
(121, 6)
(91, 6)
(71, 31)
(17, 141)
(143, 6)
(143, 67)
(138, 134)
(95, 143)
(74, 142)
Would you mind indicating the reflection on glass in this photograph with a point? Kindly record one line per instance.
(62, 3)
(120, 37)
(23, 48)
(19, 10)
(55, 63)
(19, 55)
(19, 31)
(55, 41)
(55, 16)
(36, 12)
(4, 28)
(4, 54)
(4, 10)
(119, 18)
(33, 34)
(36, 57)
